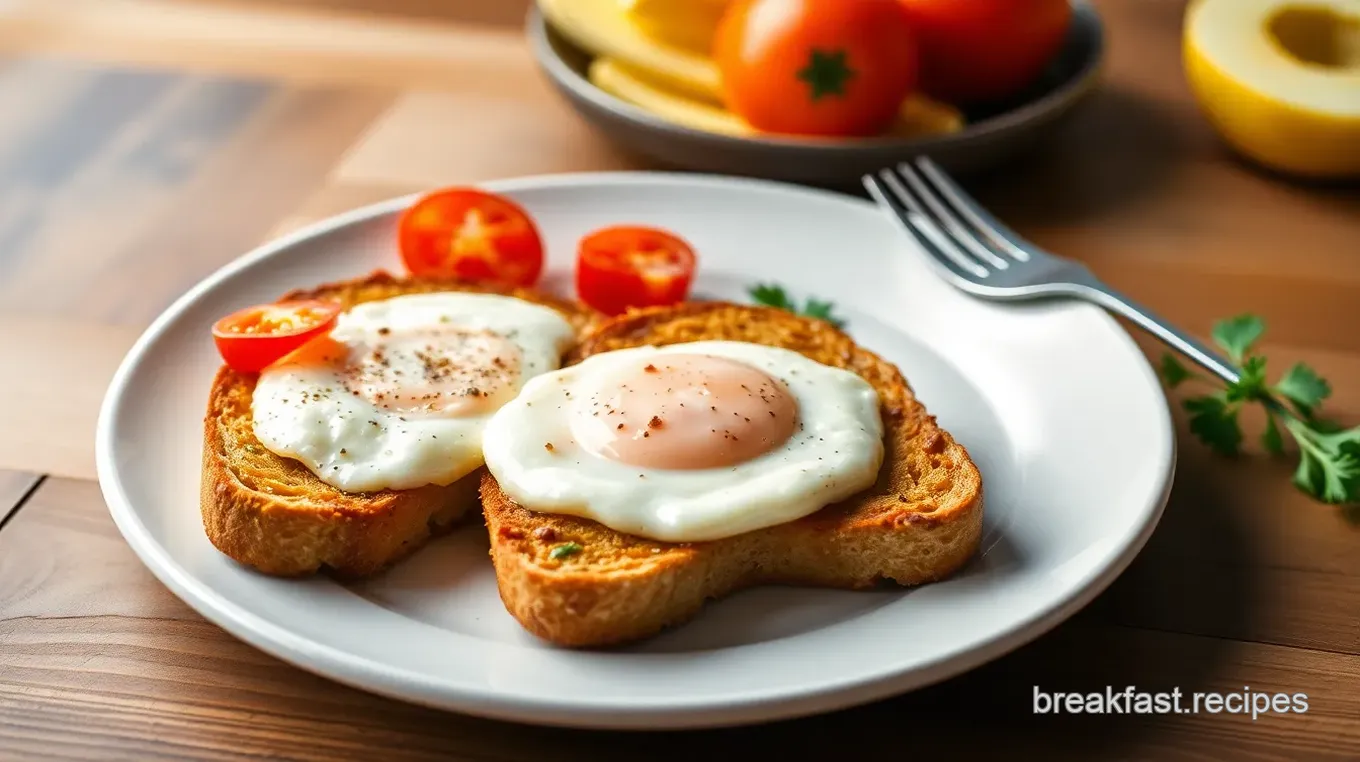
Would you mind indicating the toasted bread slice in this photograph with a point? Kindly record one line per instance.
(920, 522)
(275, 515)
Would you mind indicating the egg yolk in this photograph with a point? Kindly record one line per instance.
(446, 371)
(680, 411)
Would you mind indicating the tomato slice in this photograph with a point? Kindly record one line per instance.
(467, 234)
(629, 266)
(253, 338)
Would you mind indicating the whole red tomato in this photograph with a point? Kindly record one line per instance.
(816, 67)
(984, 50)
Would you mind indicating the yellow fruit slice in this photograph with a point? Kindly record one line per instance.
(604, 29)
(1280, 80)
(920, 115)
(688, 24)
(630, 85)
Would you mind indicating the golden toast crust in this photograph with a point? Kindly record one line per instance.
(920, 522)
(275, 515)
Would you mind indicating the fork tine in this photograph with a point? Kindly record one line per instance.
(889, 192)
(962, 235)
(927, 232)
(1002, 237)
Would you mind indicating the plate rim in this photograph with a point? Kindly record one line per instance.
(735, 709)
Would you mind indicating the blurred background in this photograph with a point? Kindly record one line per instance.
(173, 135)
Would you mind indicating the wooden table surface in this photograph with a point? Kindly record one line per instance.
(144, 143)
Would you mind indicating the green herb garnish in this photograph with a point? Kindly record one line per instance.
(1329, 457)
(564, 550)
(773, 295)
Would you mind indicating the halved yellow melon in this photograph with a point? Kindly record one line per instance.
(1280, 80)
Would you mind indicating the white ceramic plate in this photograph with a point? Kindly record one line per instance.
(1062, 413)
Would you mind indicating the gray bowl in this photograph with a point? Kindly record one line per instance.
(994, 133)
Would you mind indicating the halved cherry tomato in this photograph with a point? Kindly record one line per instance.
(816, 67)
(255, 337)
(468, 234)
(628, 266)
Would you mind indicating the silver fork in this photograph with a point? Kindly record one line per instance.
(980, 255)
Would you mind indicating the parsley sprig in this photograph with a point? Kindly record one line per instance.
(1329, 457)
(773, 295)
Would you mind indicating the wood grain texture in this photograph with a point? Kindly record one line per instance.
(336, 198)
(533, 134)
(499, 13)
(81, 620)
(140, 183)
(302, 43)
(272, 165)
(52, 430)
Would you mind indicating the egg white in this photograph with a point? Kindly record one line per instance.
(836, 452)
(303, 411)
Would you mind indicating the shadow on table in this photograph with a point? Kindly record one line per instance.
(1117, 148)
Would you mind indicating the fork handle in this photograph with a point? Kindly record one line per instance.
(1207, 358)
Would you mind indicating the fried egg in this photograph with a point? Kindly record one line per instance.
(688, 442)
(397, 395)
